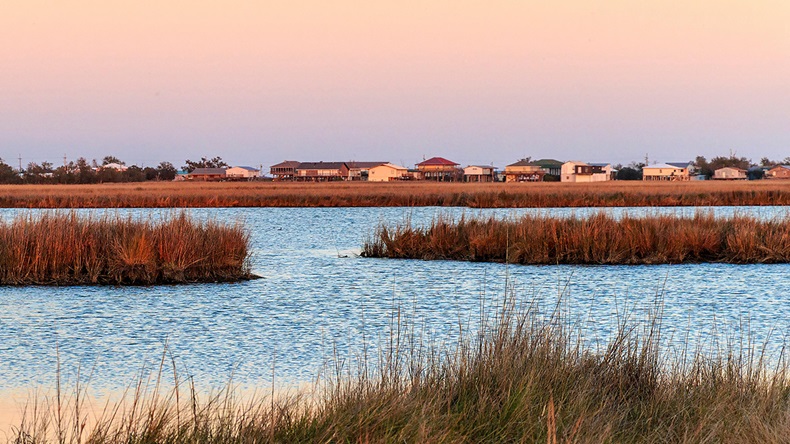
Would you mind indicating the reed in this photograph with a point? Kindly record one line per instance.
(599, 239)
(418, 193)
(67, 249)
(523, 378)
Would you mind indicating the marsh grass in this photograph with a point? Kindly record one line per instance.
(417, 193)
(524, 376)
(598, 239)
(68, 249)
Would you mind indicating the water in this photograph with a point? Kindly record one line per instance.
(316, 307)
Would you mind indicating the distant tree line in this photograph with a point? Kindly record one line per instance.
(109, 169)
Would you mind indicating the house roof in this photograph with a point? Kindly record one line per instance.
(248, 168)
(523, 162)
(731, 168)
(481, 166)
(599, 164)
(287, 164)
(663, 166)
(548, 163)
(355, 164)
(390, 165)
(207, 171)
(787, 167)
(437, 161)
(679, 164)
(321, 165)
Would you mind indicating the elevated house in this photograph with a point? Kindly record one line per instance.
(549, 166)
(778, 172)
(480, 173)
(440, 169)
(666, 172)
(206, 174)
(730, 173)
(322, 171)
(524, 171)
(242, 173)
(387, 172)
(576, 171)
(361, 170)
(284, 170)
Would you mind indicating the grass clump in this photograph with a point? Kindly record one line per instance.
(67, 249)
(524, 378)
(599, 239)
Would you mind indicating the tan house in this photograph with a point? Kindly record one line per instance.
(322, 171)
(666, 171)
(730, 173)
(440, 169)
(242, 172)
(361, 170)
(524, 171)
(206, 174)
(778, 172)
(284, 170)
(479, 173)
(387, 172)
(576, 171)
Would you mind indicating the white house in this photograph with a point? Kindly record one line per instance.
(576, 171)
(387, 172)
(242, 172)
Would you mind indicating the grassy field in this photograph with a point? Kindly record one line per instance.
(599, 239)
(66, 249)
(345, 194)
(521, 378)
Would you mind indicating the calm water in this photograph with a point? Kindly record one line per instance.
(313, 305)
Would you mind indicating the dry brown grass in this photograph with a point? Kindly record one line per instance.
(66, 249)
(345, 194)
(599, 239)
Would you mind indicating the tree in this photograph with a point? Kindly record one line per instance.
(731, 161)
(166, 171)
(628, 173)
(112, 159)
(84, 172)
(631, 172)
(7, 173)
(35, 173)
(703, 167)
(133, 174)
(215, 162)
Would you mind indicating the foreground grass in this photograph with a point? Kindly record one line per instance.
(599, 239)
(420, 193)
(66, 249)
(524, 378)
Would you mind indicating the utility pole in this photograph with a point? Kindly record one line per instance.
(20, 162)
(647, 160)
(64, 160)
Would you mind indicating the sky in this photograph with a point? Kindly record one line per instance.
(477, 82)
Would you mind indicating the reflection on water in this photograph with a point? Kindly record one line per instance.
(313, 304)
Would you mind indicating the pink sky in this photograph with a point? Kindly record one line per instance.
(257, 82)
